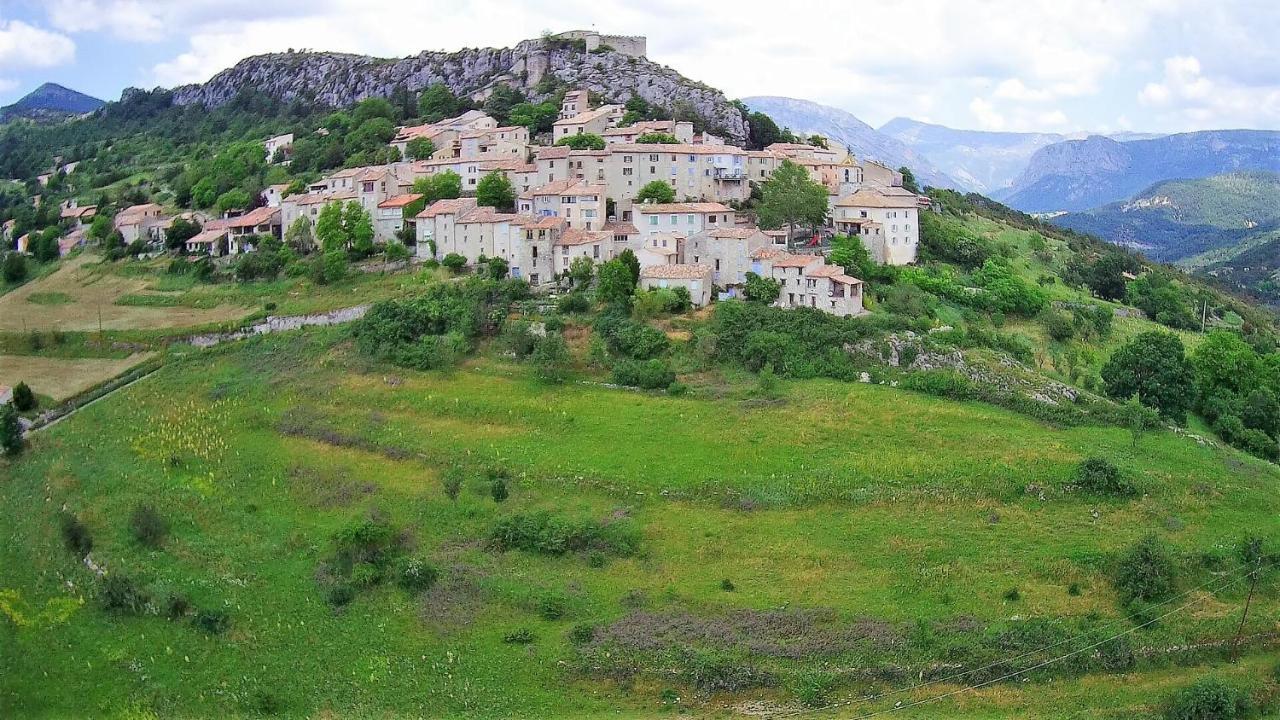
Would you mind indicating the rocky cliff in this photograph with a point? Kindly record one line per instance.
(339, 80)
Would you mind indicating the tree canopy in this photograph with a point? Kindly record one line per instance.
(790, 198)
(657, 191)
(1154, 367)
(495, 190)
(582, 141)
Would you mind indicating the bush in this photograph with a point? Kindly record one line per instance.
(1013, 594)
(148, 527)
(1059, 326)
(454, 262)
(11, 441)
(523, 636)
(498, 489)
(416, 575)
(341, 594)
(582, 634)
(552, 607)
(1100, 476)
(648, 375)
(1209, 699)
(1146, 572)
(813, 688)
(75, 536)
(548, 534)
(121, 594)
(727, 585)
(551, 360)
(214, 622)
(23, 398)
(574, 302)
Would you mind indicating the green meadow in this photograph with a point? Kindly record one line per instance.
(843, 540)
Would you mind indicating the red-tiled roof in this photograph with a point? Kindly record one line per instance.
(400, 201)
(675, 272)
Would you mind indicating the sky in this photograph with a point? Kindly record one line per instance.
(1017, 65)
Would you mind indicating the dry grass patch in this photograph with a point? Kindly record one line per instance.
(60, 378)
(87, 298)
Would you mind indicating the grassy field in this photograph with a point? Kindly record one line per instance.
(61, 378)
(87, 301)
(860, 528)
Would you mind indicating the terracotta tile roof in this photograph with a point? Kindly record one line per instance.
(799, 261)
(208, 236)
(307, 199)
(880, 198)
(576, 236)
(78, 212)
(694, 207)
(620, 228)
(675, 272)
(642, 127)
(846, 279)
(677, 149)
(765, 253)
(448, 207)
(732, 233)
(480, 215)
(590, 115)
(135, 213)
(824, 271)
(572, 186)
(400, 201)
(251, 219)
(555, 152)
(545, 222)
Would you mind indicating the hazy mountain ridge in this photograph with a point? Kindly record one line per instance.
(50, 102)
(864, 141)
(1077, 175)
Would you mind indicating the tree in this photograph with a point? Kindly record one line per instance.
(501, 101)
(180, 231)
(233, 199)
(849, 253)
(656, 191)
(582, 141)
(1105, 276)
(1225, 361)
(789, 198)
(454, 262)
(345, 226)
(329, 267)
(540, 117)
(616, 281)
(452, 482)
(359, 228)
(420, 148)
(23, 398)
(761, 289)
(628, 258)
(10, 430)
(15, 267)
(1154, 367)
(495, 190)
(580, 270)
(1146, 572)
(299, 236)
(100, 228)
(908, 179)
(374, 107)
(763, 132)
(441, 186)
(657, 138)
(438, 102)
(1209, 699)
(551, 358)
(1139, 418)
(497, 268)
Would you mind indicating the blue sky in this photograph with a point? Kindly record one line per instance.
(1100, 65)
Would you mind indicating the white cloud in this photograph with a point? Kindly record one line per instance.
(7, 84)
(986, 114)
(1186, 96)
(27, 46)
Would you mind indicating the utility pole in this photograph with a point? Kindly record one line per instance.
(1256, 548)
(1204, 316)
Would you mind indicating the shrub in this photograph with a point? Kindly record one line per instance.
(341, 594)
(574, 302)
(551, 359)
(649, 375)
(416, 575)
(122, 595)
(75, 536)
(23, 398)
(727, 585)
(767, 382)
(148, 527)
(552, 607)
(498, 489)
(523, 636)
(1146, 571)
(548, 534)
(452, 483)
(1013, 594)
(1209, 699)
(368, 541)
(813, 688)
(1059, 326)
(581, 634)
(214, 622)
(454, 262)
(1100, 476)
(11, 441)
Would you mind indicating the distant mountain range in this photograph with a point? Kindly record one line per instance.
(1178, 220)
(1077, 175)
(864, 141)
(984, 161)
(50, 103)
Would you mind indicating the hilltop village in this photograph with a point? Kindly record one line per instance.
(599, 183)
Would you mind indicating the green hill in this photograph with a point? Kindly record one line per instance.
(270, 528)
(1177, 219)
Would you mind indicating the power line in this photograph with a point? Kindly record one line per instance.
(1036, 651)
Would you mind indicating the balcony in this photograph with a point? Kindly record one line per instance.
(730, 173)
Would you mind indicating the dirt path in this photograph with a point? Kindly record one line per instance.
(280, 324)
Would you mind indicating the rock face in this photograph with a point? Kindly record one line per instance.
(339, 80)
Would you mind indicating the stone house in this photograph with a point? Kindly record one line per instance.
(694, 278)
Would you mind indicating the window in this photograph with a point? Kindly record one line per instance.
(626, 172)
(653, 220)
(595, 251)
(653, 158)
(689, 219)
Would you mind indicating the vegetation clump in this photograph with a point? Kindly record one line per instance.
(546, 533)
(1101, 477)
